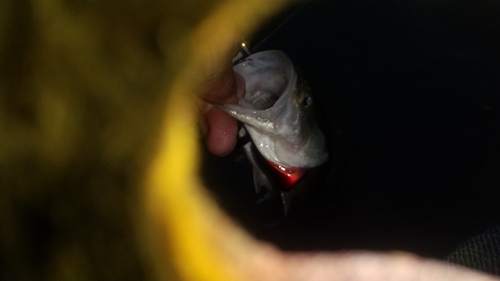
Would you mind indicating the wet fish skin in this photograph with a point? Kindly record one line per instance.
(279, 113)
(286, 133)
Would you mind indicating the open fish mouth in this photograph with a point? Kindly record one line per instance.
(278, 112)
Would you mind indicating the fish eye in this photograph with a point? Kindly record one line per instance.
(307, 101)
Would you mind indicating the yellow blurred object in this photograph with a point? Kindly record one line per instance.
(99, 155)
(86, 89)
(204, 243)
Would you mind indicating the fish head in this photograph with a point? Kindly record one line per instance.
(278, 111)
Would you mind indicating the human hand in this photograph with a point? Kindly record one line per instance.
(219, 129)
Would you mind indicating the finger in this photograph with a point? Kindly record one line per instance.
(226, 87)
(220, 131)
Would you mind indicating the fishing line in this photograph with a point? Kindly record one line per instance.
(281, 24)
(246, 50)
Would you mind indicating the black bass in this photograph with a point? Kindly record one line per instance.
(278, 112)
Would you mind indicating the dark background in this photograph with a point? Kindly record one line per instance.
(412, 94)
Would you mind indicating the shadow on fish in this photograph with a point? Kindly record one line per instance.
(287, 147)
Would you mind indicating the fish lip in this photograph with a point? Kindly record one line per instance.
(273, 120)
(278, 130)
(290, 75)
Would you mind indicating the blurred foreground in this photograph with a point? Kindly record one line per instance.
(98, 151)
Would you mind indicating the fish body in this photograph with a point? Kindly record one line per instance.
(279, 114)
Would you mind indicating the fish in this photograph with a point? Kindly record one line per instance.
(278, 112)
